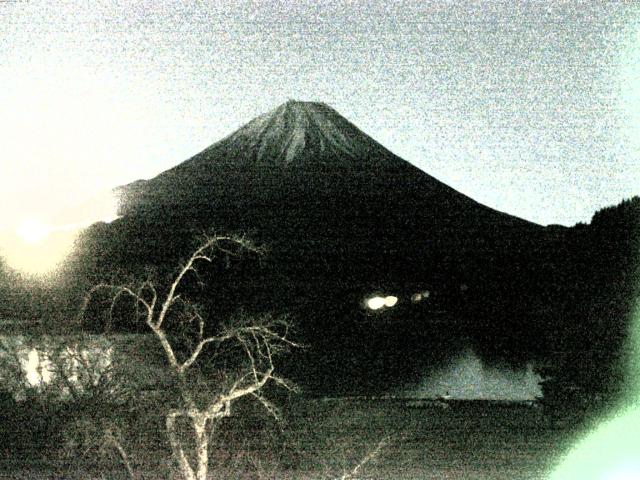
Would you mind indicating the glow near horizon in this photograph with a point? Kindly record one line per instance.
(531, 110)
(36, 247)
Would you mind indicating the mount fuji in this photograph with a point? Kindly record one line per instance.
(342, 218)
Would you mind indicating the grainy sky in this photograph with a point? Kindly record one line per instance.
(531, 107)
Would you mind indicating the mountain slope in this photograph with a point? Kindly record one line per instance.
(342, 217)
(296, 141)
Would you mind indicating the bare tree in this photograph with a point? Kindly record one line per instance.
(372, 454)
(341, 463)
(257, 340)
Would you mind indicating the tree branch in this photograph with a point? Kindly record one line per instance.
(366, 459)
(198, 350)
(166, 346)
(110, 438)
(176, 445)
(261, 338)
(199, 254)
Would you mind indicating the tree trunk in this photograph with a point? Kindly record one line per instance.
(176, 447)
(202, 447)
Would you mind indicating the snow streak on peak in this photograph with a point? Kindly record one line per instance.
(303, 130)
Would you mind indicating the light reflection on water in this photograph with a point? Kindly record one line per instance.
(52, 363)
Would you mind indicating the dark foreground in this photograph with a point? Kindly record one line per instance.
(326, 438)
(452, 440)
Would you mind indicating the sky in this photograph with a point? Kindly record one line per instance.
(530, 107)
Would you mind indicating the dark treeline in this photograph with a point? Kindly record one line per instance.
(562, 297)
(599, 268)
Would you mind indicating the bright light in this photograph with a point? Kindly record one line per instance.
(33, 231)
(34, 247)
(37, 248)
(624, 472)
(72, 134)
(36, 258)
(420, 296)
(375, 303)
(610, 452)
(390, 301)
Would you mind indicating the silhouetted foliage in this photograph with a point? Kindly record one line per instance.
(600, 265)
